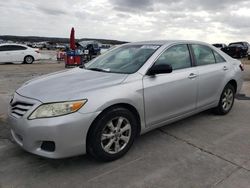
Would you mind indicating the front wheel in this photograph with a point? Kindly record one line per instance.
(112, 134)
(226, 100)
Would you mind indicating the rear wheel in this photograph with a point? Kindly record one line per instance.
(226, 100)
(112, 134)
(28, 59)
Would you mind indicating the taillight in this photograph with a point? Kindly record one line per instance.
(241, 67)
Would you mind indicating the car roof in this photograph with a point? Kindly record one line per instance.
(3, 44)
(238, 42)
(167, 42)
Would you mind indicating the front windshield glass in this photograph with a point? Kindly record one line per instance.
(125, 59)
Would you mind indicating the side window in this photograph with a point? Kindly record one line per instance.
(177, 56)
(15, 47)
(5, 48)
(10, 48)
(218, 57)
(2, 48)
(203, 54)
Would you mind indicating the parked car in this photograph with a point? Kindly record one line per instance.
(237, 49)
(18, 53)
(60, 47)
(39, 45)
(91, 46)
(220, 45)
(50, 46)
(101, 107)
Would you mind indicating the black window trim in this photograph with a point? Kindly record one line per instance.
(191, 51)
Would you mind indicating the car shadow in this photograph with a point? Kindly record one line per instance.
(85, 168)
(242, 97)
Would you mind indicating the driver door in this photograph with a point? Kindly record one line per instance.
(170, 95)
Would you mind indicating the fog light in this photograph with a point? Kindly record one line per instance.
(48, 146)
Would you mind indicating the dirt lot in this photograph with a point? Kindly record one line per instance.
(202, 151)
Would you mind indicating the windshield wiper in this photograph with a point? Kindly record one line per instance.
(97, 69)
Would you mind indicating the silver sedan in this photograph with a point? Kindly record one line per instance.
(101, 107)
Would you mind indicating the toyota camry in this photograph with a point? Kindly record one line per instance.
(101, 107)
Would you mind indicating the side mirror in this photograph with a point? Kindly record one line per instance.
(160, 69)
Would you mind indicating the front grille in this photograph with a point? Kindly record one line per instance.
(19, 109)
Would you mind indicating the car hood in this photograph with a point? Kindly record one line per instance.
(68, 85)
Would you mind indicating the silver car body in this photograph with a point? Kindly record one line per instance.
(157, 100)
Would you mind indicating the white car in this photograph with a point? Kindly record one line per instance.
(18, 53)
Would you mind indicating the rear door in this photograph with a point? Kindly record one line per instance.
(212, 69)
(17, 53)
(170, 95)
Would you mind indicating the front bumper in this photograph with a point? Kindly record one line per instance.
(68, 133)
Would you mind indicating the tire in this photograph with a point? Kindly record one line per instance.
(28, 59)
(106, 141)
(226, 100)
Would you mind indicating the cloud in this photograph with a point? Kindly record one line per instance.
(133, 5)
(52, 11)
(130, 20)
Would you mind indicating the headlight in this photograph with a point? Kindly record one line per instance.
(56, 109)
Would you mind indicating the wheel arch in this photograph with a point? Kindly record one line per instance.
(123, 105)
(233, 83)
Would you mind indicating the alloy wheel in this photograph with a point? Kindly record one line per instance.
(29, 59)
(116, 135)
(227, 100)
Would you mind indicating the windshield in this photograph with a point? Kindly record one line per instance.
(125, 59)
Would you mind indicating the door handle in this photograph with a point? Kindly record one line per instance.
(192, 75)
(225, 68)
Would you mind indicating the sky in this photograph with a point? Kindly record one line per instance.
(212, 21)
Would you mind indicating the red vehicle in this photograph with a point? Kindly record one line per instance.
(73, 59)
(73, 56)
